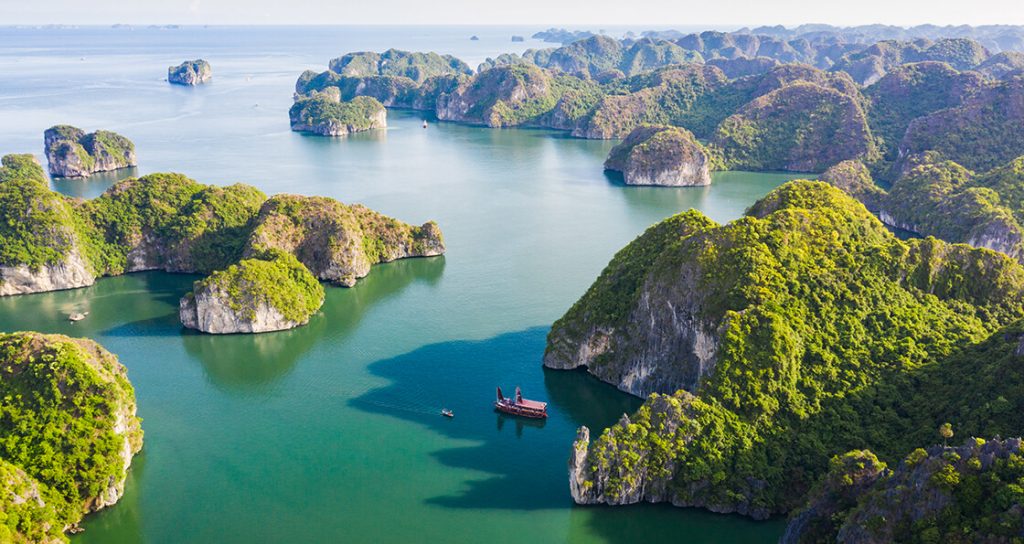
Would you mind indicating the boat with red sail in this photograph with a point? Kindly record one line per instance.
(519, 406)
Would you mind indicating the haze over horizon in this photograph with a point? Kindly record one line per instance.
(660, 14)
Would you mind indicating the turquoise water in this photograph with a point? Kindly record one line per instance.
(331, 432)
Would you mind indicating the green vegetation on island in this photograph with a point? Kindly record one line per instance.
(802, 330)
(68, 432)
(943, 199)
(661, 155)
(272, 292)
(970, 493)
(338, 243)
(172, 223)
(324, 113)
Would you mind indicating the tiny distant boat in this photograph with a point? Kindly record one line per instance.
(520, 406)
(447, 413)
(77, 316)
(424, 123)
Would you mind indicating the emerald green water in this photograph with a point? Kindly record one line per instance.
(331, 432)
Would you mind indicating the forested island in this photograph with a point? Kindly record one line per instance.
(172, 223)
(68, 433)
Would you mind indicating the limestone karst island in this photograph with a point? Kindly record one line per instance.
(462, 272)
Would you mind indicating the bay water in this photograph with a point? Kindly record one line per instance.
(332, 432)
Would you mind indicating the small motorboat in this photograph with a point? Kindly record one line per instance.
(77, 316)
(424, 123)
(447, 413)
(520, 406)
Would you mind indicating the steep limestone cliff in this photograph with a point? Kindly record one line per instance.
(271, 293)
(39, 241)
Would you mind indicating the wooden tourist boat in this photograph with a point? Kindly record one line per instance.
(519, 406)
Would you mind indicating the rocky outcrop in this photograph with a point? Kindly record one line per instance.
(71, 153)
(1005, 65)
(985, 131)
(743, 67)
(941, 493)
(637, 341)
(500, 97)
(800, 127)
(87, 458)
(943, 199)
(190, 73)
(69, 272)
(325, 114)
(660, 155)
(256, 295)
(338, 243)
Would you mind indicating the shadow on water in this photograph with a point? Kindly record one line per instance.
(526, 457)
(254, 360)
(525, 460)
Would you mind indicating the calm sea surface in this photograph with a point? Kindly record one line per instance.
(331, 432)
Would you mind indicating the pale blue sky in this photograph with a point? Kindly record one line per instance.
(646, 13)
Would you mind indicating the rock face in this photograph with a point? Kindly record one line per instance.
(326, 115)
(88, 458)
(750, 341)
(338, 243)
(499, 97)
(70, 272)
(940, 493)
(190, 73)
(256, 295)
(660, 155)
(38, 239)
(172, 223)
(71, 153)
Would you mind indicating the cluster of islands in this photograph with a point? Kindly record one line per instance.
(803, 360)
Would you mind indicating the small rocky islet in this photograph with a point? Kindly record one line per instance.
(172, 223)
(190, 73)
(73, 153)
(661, 155)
